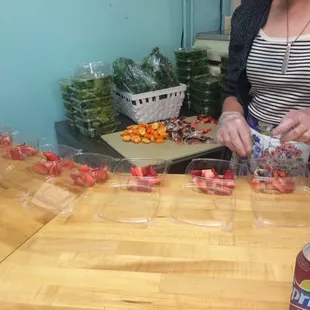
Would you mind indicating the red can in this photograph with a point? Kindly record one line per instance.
(300, 298)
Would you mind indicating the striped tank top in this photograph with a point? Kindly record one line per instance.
(274, 93)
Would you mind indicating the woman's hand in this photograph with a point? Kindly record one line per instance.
(234, 132)
(295, 126)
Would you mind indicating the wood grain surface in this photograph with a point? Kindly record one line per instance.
(86, 262)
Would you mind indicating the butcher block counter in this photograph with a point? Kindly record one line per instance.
(78, 262)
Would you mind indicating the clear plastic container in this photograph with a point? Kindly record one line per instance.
(193, 71)
(52, 195)
(23, 146)
(138, 172)
(208, 199)
(71, 122)
(69, 114)
(206, 82)
(193, 63)
(65, 90)
(104, 120)
(279, 192)
(92, 103)
(95, 113)
(97, 132)
(68, 105)
(54, 159)
(190, 53)
(90, 169)
(85, 94)
(125, 204)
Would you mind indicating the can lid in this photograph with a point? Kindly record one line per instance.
(306, 252)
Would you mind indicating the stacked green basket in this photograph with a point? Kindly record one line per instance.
(205, 95)
(91, 97)
(191, 63)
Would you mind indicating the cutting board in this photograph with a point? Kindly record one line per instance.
(168, 150)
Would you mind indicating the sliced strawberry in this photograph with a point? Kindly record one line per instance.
(79, 181)
(53, 168)
(27, 150)
(287, 184)
(152, 171)
(230, 184)
(50, 156)
(208, 174)
(200, 183)
(133, 171)
(277, 185)
(5, 140)
(216, 176)
(223, 191)
(87, 178)
(276, 173)
(154, 181)
(229, 175)
(197, 173)
(40, 168)
(17, 154)
(283, 174)
(74, 176)
(139, 172)
(84, 168)
(67, 164)
(145, 171)
(257, 186)
(99, 174)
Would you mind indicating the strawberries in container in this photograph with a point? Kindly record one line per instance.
(6, 136)
(90, 169)
(55, 159)
(274, 177)
(141, 174)
(212, 176)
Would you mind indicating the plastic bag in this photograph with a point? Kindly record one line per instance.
(161, 69)
(130, 77)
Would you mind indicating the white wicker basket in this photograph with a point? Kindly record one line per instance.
(152, 106)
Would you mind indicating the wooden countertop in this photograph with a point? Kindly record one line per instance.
(82, 263)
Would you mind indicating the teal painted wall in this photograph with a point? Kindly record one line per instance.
(43, 40)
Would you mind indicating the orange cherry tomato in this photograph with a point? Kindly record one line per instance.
(160, 140)
(146, 141)
(126, 138)
(155, 126)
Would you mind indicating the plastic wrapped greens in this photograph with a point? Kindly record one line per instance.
(161, 69)
(130, 77)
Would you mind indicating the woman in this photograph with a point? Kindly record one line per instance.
(267, 100)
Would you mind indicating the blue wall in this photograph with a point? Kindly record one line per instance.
(44, 40)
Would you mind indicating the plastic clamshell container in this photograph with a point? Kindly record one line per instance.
(96, 113)
(136, 172)
(48, 166)
(208, 199)
(65, 90)
(24, 146)
(71, 122)
(190, 53)
(98, 122)
(126, 204)
(92, 103)
(90, 169)
(52, 195)
(193, 71)
(206, 82)
(97, 132)
(93, 93)
(6, 136)
(192, 63)
(280, 192)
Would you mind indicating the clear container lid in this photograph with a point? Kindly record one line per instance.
(127, 204)
(92, 103)
(190, 53)
(84, 94)
(208, 199)
(51, 195)
(96, 132)
(90, 169)
(279, 192)
(141, 171)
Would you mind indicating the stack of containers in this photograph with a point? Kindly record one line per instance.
(205, 95)
(190, 63)
(223, 75)
(91, 97)
(65, 89)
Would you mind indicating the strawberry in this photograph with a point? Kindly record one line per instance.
(87, 178)
(79, 181)
(145, 171)
(216, 176)
(208, 174)
(133, 171)
(74, 176)
(139, 172)
(197, 173)
(5, 140)
(17, 154)
(99, 174)
(40, 168)
(200, 183)
(154, 181)
(283, 174)
(152, 171)
(199, 117)
(229, 175)
(277, 185)
(50, 156)
(53, 168)
(84, 168)
(67, 164)
(230, 184)
(256, 185)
